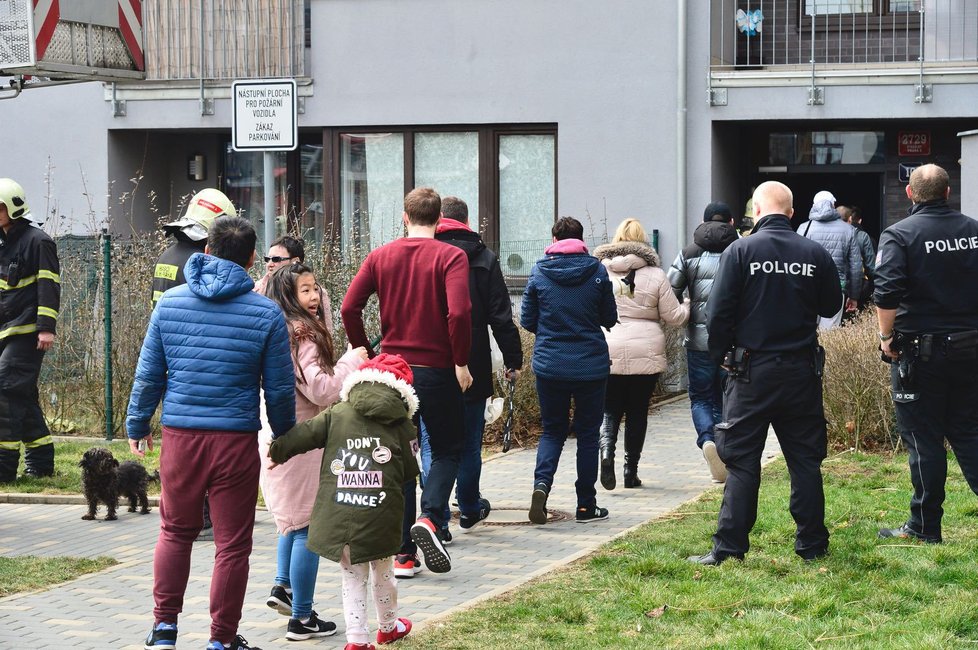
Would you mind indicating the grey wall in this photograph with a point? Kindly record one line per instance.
(55, 147)
(603, 72)
(148, 175)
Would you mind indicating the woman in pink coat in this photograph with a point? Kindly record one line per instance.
(637, 344)
(290, 490)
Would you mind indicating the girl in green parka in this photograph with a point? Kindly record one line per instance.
(369, 443)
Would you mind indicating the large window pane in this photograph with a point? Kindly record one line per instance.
(244, 185)
(527, 195)
(449, 162)
(371, 189)
(819, 7)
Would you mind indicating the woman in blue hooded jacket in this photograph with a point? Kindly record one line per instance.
(568, 299)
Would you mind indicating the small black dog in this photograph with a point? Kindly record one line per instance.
(105, 480)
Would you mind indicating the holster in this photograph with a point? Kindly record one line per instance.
(737, 363)
(818, 361)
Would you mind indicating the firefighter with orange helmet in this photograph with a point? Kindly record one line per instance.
(30, 299)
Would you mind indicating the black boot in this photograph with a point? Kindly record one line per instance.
(609, 438)
(634, 442)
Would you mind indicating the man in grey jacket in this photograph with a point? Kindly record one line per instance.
(826, 226)
(693, 271)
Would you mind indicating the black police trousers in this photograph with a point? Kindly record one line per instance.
(942, 403)
(784, 392)
(21, 419)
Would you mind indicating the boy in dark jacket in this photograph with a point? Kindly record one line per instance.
(490, 309)
(568, 299)
(360, 503)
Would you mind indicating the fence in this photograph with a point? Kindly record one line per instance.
(771, 33)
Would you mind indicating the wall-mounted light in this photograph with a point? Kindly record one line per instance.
(197, 167)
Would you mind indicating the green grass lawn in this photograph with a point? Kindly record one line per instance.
(28, 572)
(67, 474)
(640, 592)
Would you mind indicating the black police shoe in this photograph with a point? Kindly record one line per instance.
(710, 559)
(812, 556)
(906, 532)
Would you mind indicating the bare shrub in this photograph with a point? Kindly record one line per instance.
(856, 391)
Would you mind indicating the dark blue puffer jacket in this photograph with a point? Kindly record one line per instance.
(568, 299)
(212, 343)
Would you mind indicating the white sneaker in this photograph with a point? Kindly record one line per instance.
(718, 471)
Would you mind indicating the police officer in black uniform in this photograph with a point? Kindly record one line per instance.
(762, 317)
(30, 299)
(927, 305)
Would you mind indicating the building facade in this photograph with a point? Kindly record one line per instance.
(527, 110)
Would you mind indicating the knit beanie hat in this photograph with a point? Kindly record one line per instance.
(388, 369)
(717, 211)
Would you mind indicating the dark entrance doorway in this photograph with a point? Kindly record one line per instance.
(861, 189)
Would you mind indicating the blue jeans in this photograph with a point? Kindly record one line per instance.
(297, 568)
(555, 401)
(470, 464)
(705, 394)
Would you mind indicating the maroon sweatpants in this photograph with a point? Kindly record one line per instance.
(224, 465)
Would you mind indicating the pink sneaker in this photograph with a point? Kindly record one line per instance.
(401, 629)
(359, 646)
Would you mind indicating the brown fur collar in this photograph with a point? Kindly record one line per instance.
(644, 251)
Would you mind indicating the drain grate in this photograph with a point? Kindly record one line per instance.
(504, 516)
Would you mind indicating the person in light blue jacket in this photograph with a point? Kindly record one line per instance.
(211, 345)
(568, 299)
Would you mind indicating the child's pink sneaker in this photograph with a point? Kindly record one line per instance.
(359, 646)
(401, 630)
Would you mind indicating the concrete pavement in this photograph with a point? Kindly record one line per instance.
(113, 608)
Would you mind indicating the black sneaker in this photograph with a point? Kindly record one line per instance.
(163, 636)
(239, 643)
(538, 503)
(280, 600)
(467, 522)
(906, 532)
(445, 536)
(594, 513)
(314, 628)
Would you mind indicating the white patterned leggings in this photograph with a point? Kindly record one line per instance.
(381, 573)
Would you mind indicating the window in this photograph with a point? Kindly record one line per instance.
(506, 175)
(526, 199)
(835, 7)
(371, 189)
(449, 162)
(244, 184)
(826, 148)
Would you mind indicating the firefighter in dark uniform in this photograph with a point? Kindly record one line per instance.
(190, 233)
(927, 305)
(30, 298)
(762, 318)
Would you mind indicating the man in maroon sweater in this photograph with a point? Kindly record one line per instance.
(422, 286)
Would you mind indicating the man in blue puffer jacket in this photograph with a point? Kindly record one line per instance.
(211, 344)
(568, 299)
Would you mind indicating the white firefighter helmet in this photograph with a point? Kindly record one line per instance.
(205, 206)
(12, 196)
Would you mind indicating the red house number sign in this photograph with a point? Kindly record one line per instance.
(914, 143)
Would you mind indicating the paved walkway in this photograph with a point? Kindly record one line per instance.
(113, 609)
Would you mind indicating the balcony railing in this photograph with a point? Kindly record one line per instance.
(772, 34)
